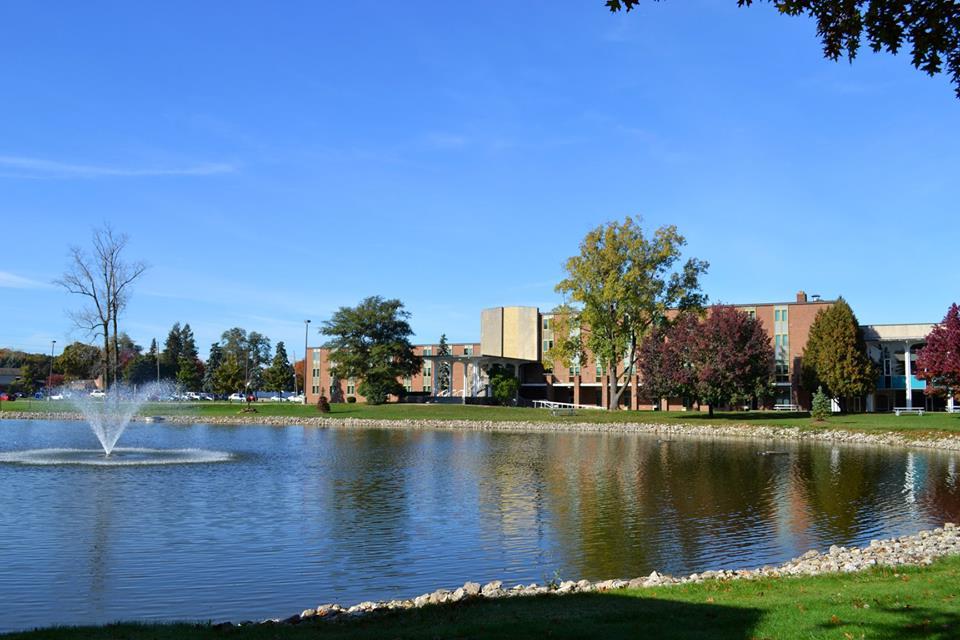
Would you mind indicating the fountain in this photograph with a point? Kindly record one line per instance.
(108, 417)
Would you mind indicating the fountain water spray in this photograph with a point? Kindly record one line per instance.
(109, 415)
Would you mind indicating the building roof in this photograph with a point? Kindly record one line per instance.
(914, 331)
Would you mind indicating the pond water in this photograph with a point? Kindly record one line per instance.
(301, 516)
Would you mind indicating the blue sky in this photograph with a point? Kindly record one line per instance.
(275, 161)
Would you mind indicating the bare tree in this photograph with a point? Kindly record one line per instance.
(104, 279)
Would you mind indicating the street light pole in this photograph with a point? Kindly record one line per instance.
(53, 343)
(306, 329)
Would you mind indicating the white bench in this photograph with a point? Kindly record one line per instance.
(786, 407)
(915, 410)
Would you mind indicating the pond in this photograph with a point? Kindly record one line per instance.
(301, 516)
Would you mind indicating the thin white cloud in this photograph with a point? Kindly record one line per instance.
(442, 140)
(27, 167)
(13, 281)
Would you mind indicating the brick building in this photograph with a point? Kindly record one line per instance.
(517, 337)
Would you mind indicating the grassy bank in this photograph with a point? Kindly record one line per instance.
(881, 603)
(931, 422)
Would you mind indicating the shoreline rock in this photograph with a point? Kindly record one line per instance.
(946, 442)
(919, 549)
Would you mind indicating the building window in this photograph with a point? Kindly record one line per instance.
(575, 369)
(546, 324)
(428, 351)
(316, 356)
(315, 389)
(351, 388)
(599, 372)
(547, 345)
(468, 351)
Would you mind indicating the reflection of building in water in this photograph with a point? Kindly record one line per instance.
(952, 472)
(914, 476)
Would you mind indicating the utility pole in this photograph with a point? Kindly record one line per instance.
(53, 343)
(156, 356)
(295, 393)
(306, 327)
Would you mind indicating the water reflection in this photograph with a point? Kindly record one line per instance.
(309, 515)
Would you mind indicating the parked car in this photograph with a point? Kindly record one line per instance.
(277, 398)
(98, 394)
(8, 397)
(58, 396)
(297, 398)
(236, 397)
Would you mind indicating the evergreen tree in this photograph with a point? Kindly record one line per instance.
(188, 346)
(170, 358)
(214, 360)
(189, 376)
(821, 409)
(279, 375)
(443, 369)
(835, 356)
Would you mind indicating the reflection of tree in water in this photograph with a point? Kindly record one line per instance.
(842, 487)
(623, 506)
(368, 517)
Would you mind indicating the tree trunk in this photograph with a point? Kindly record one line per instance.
(710, 414)
(105, 358)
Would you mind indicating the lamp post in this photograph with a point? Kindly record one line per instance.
(53, 343)
(306, 329)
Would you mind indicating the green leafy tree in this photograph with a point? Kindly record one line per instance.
(229, 376)
(820, 409)
(141, 370)
(504, 385)
(252, 350)
(835, 356)
(371, 343)
(79, 361)
(443, 369)
(279, 375)
(624, 284)
(931, 28)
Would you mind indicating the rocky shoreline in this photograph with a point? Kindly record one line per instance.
(916, 550)
(749, 431)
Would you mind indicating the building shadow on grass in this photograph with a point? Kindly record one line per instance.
(743, 416)
(606, 616)
(904, 622)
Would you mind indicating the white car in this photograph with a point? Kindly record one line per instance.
(277, 399)
(237, 397)
(57, 396)
(298, 399)
(98, 394)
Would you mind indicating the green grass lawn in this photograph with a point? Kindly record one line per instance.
(918, 425)
(881, 603)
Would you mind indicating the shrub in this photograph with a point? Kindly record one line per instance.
(323, 405)
(351, 399)
(820, 409)
(504, 385)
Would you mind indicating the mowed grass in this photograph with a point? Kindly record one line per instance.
(928, 424)
(880, 603)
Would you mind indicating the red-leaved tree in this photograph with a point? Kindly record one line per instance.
(733, 358)
(666, 359)
(939, 361)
